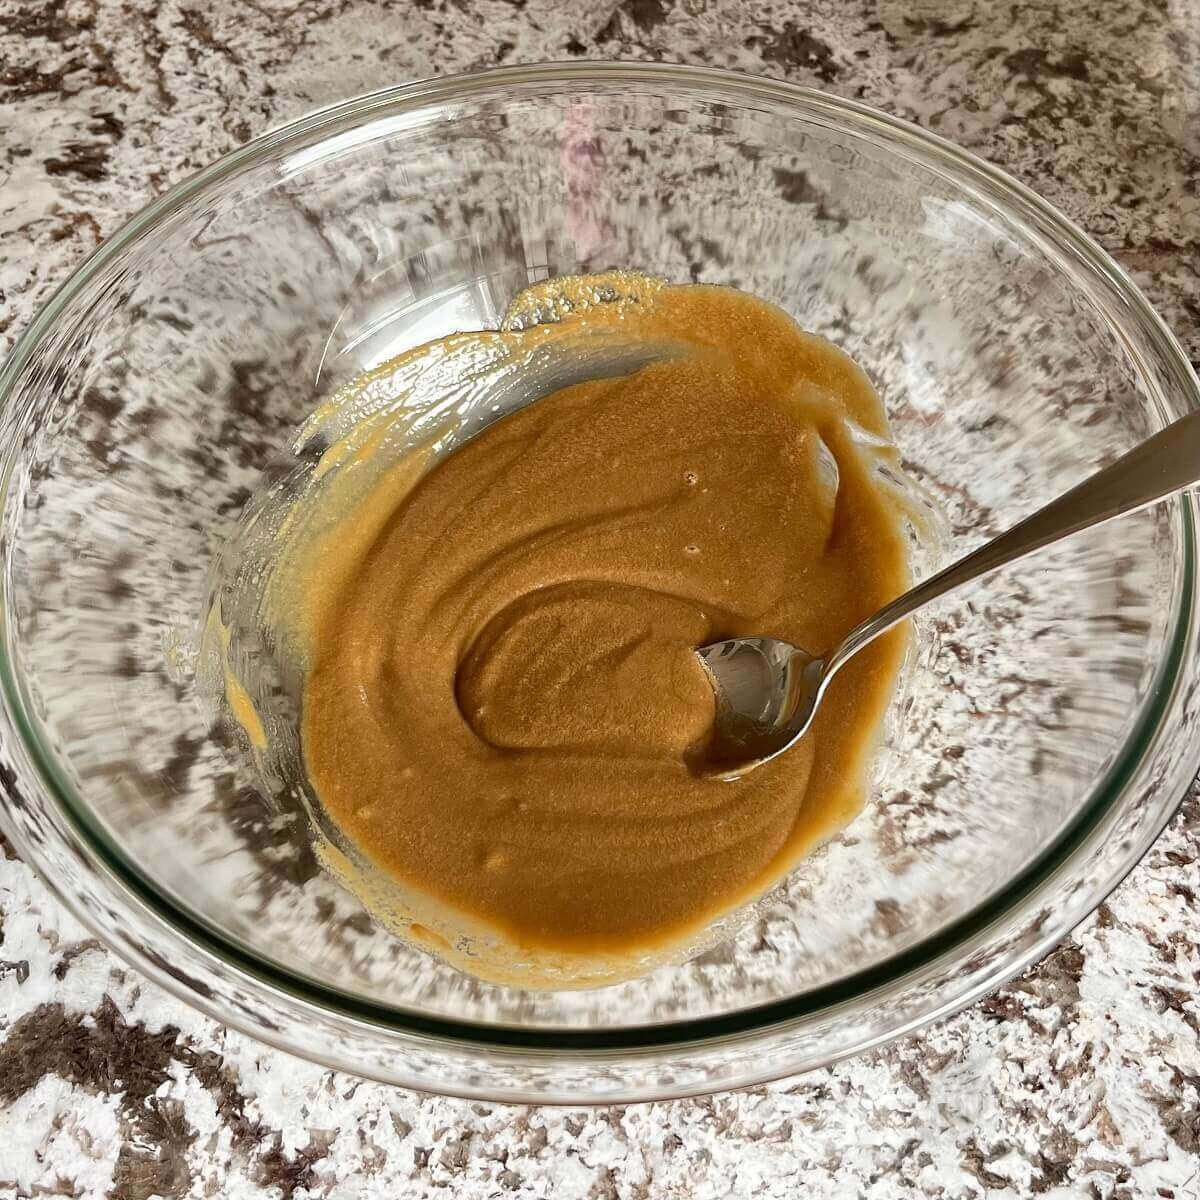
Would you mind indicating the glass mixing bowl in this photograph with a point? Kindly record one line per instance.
(1046, 735)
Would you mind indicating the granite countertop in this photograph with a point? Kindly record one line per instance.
(1082, 1078)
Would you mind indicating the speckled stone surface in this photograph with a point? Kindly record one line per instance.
(1080, 1079)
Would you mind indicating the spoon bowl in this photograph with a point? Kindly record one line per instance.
(767, 695)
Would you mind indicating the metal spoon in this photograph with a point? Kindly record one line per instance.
(767, 691)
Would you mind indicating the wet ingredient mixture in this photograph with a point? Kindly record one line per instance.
(501, 708)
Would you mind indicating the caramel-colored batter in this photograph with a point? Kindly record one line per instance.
(500, 694)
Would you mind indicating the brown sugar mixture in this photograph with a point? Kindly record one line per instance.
(500, 691)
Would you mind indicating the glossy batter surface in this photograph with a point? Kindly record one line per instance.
(500, 694)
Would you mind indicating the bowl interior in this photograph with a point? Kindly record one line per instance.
(177, 375)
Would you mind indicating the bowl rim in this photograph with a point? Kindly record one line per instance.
(1036, 216)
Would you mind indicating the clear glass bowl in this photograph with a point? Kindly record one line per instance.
(1045, 739)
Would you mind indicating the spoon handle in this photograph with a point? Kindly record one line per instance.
(1163, 464)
